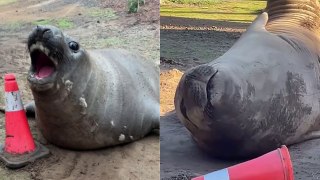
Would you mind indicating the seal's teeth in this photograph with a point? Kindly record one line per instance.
(39, 46)
(55, 62)
(32, 48)
(46, 51)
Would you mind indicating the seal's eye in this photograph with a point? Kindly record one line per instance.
(74, 46)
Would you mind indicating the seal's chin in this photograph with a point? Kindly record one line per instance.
(43, 70)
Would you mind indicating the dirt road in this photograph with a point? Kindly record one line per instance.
(96, 24)
(184, 44)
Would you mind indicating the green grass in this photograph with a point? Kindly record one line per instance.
(194, 2)
(104, 13)
(43, 22)
(60, 23)
(232, 10)
(64, 24)
(4, 2)
(13, 25)
(105, 42)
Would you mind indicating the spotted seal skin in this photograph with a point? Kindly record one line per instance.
(264, 91)
(90, 99)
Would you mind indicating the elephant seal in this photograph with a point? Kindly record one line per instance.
(89, 99)
(264, 91)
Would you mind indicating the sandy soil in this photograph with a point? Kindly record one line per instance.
(136, 32)
(186, 43)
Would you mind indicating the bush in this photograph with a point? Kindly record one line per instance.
(134, 5)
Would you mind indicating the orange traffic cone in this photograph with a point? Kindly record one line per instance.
(19, 148)
(275, 165)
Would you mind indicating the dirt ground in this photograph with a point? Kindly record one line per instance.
(96, 24)
(186, 43)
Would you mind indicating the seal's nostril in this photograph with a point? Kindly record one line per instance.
(46, 30)
(41, 30)
(37, 29)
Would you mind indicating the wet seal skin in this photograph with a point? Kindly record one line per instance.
(90, 99)
(264, 91)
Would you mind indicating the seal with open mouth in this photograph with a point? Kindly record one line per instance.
(90, 99)
(264, 91)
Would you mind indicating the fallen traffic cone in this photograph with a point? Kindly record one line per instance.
(19, 148)
(275, 165)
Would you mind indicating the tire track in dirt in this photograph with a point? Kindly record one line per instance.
(41, 4)
(49, 9)
(72, 166)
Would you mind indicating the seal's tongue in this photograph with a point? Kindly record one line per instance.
(44, 66)
(44, 72)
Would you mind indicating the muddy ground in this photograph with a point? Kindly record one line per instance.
(186, 43)
(96, 24)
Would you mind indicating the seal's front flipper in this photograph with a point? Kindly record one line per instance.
(30, 109)
(313, 135)
(259, 23)
(309, 136)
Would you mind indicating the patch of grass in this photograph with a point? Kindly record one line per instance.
(14, 25)
(114, 41)
(43, 22)
(104, 13)
(98, 43)
(193, 2)
(4, 2)
(64, 24)
(107, 42)
(232, 10)
(60, 23)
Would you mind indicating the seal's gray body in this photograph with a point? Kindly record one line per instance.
(262, 93)
(107, 97)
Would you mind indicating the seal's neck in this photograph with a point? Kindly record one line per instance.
(294, 14)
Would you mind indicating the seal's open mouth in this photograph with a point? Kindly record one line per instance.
(42, 66)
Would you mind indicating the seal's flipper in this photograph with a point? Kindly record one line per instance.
(30, 109)
(311, 135)
(259, 23)
(306, 137)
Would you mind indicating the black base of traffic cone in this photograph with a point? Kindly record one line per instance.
(15, 161)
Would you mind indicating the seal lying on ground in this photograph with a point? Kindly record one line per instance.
(90, 99)
(264, 91)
